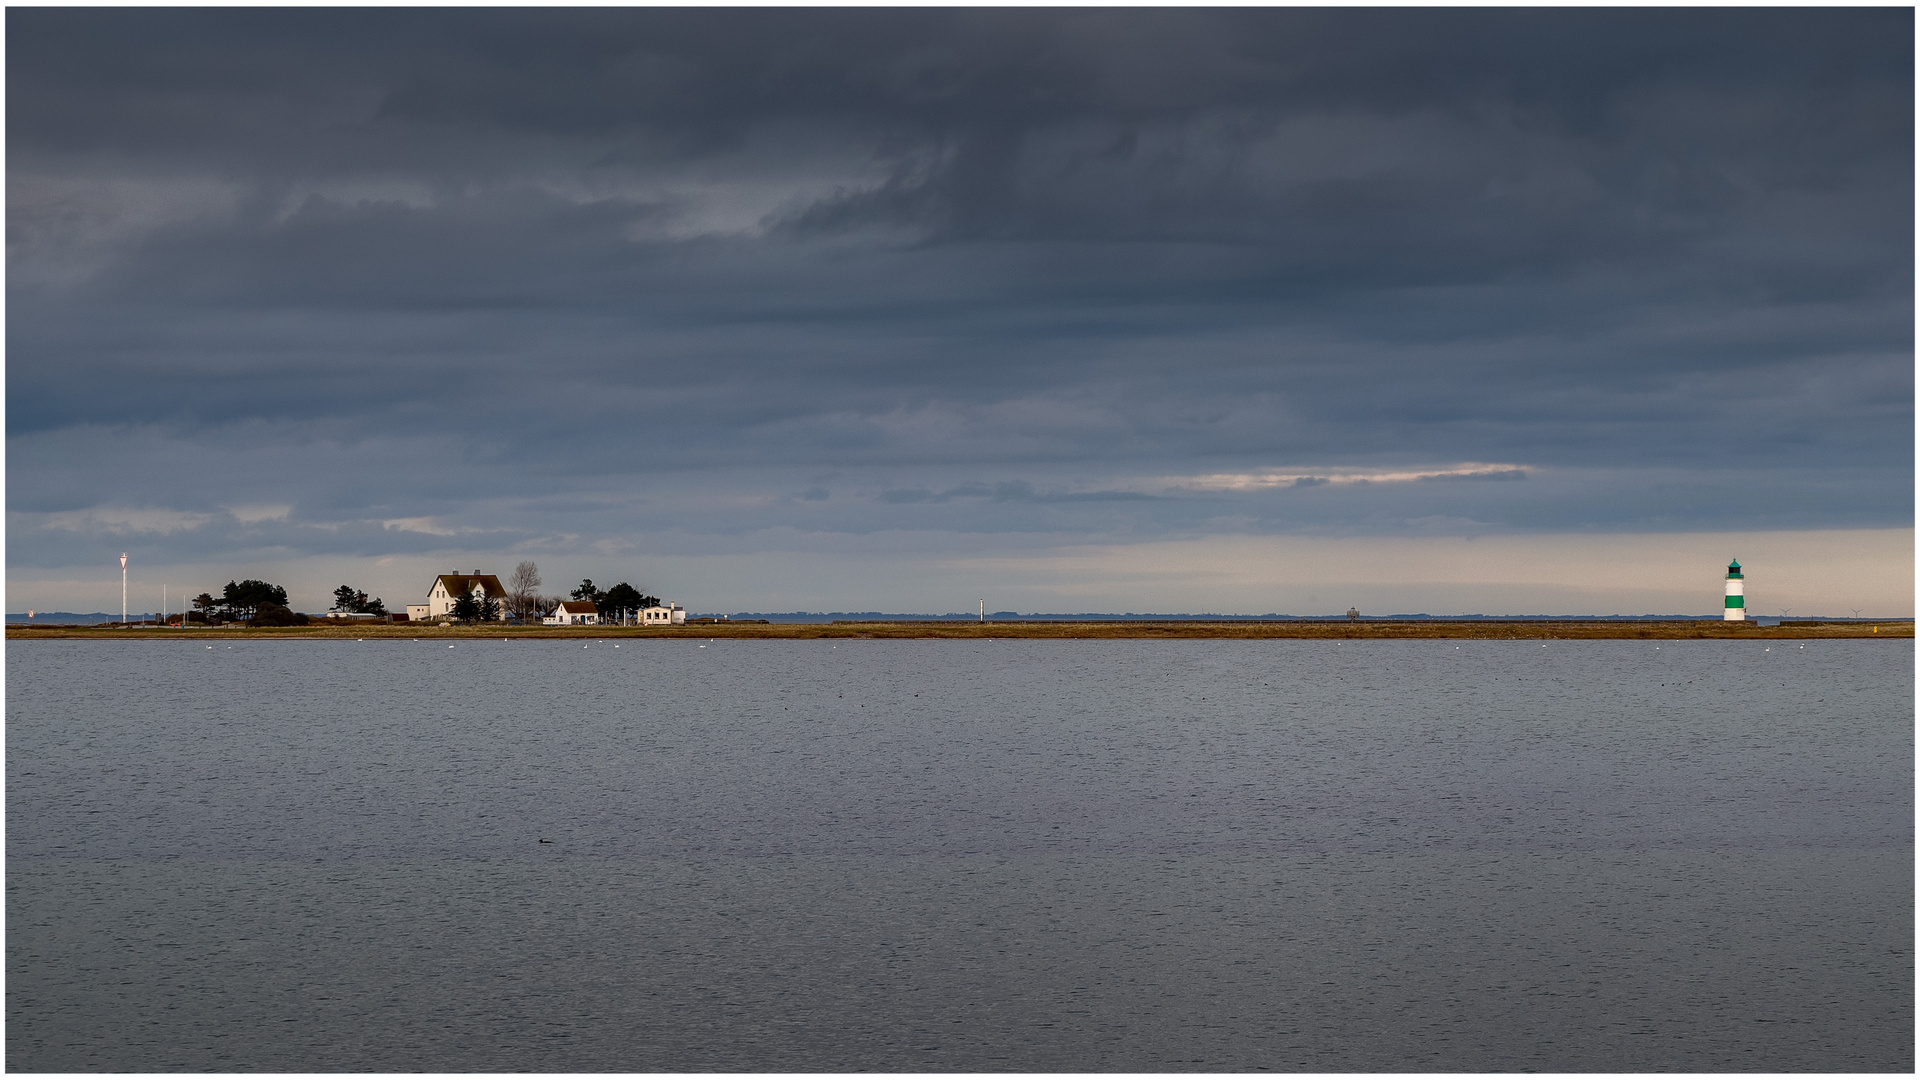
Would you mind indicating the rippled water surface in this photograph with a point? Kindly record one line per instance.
(913, 855)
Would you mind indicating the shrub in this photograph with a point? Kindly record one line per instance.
(270, 614)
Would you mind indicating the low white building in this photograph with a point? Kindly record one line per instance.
(418, 612)
(574, 613)
(667, 614)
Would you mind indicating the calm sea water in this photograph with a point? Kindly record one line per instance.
(921, 855)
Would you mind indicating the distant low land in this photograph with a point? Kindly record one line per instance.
(45, 618)
(1162, 629)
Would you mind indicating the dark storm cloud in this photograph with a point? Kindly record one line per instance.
(983, 269)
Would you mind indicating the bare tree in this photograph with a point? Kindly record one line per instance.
(523, 600)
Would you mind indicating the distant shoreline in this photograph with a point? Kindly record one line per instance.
(1366, 630)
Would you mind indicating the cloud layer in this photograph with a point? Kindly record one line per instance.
(603, 287)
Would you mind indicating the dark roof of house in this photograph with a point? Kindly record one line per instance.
(463, 583)
(577, 607)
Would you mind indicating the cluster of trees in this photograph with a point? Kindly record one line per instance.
(349, 599)
(622, 599)
(254, 602)
(525, 602)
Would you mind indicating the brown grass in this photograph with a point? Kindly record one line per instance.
(1367, 630)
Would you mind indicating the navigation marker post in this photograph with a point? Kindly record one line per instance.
(123, 588)
(1736, 593)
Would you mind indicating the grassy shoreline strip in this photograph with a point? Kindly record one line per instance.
(1377, 630)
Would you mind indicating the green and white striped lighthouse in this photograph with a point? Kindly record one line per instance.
(1736, 593)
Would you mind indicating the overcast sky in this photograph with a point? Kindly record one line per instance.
(1070, 310)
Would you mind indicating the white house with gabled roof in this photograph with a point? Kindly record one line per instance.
(574, 613)
(448, 588)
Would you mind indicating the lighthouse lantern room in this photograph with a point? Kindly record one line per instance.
(1736, 593)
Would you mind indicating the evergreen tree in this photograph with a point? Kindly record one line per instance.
(466, 609)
